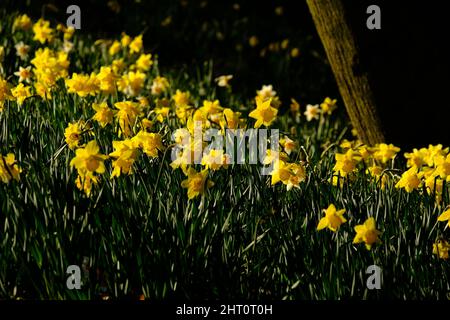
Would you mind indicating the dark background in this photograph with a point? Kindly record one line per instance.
(407, 60)
(408, 64)
(191, 39)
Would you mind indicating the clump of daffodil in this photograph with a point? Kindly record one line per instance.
(127, 115)
(333, 218)
(357, 155)
(181, 98)
(429, 166)
(196, 182)
(88, 161)
(73, 133)
(215, 159)
(103, 114)
(125, 154)
(367, 154)
(21, 92)
(131, 83)
(441, 248)
(107, 80)
(211, 108)
(385, 152)
(416, 158)
(161, 113)
(183, 110)
(150, 143)
(267, 92)
(346, 163)
(433, 153)
(363, 150)
(410, 180)
(197, 120)
(328, 106)
(298, 175)
(312, 112)
(288, 144)
(290, 174)
(264, 113)
(144, 62)
(367, 233)
(9, 169)
(231, 119)
(426, 166)
(42, 31)
(136, 44)
(83, 85)
(189, 150)
(375, 158)
(273, 155)
(49, 66)
(22, 22)
(159, 85)
(118, 66)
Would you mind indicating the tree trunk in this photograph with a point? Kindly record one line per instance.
(393, 81)
(343, 56)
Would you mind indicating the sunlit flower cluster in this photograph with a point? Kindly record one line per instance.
(356, 157)
(366, 232)
(127, 112)
(428, 167)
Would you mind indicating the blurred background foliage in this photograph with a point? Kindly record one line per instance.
(259, 42)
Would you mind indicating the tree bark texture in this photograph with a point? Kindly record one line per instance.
(343, 56)
(394, 81)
